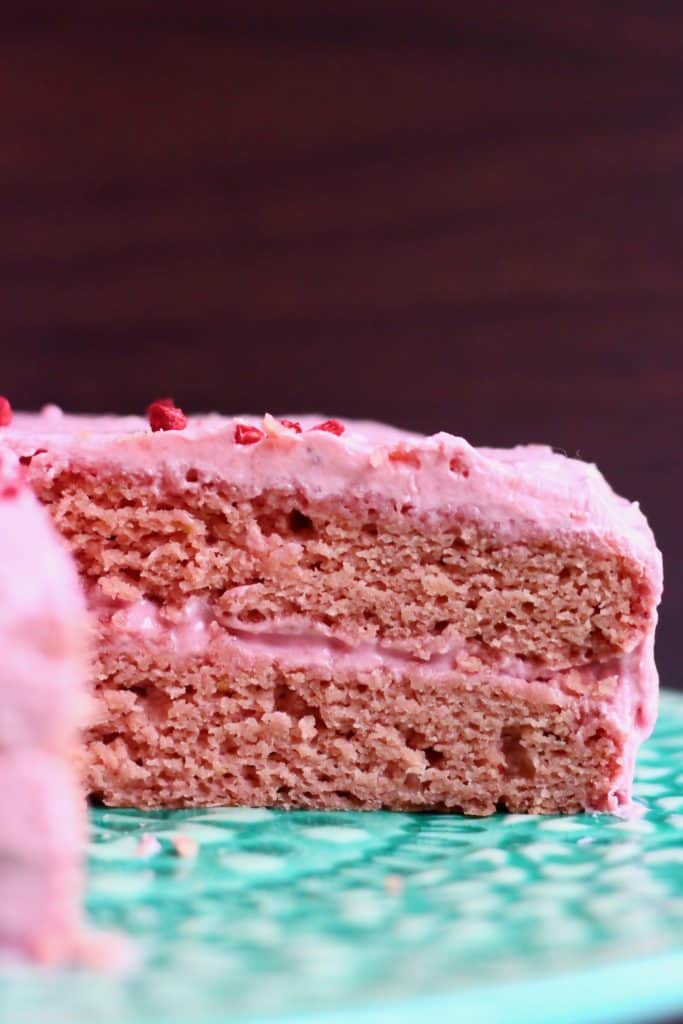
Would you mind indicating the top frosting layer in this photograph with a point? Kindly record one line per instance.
(515, 490)
(42, 622)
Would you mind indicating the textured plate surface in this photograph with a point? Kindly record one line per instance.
(371, 917)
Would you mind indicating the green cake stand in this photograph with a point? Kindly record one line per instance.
(353, 918)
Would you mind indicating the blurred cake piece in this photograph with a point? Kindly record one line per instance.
(42, 706)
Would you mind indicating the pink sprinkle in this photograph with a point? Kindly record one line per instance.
(184, 846)
(148, 845)
(393, 884)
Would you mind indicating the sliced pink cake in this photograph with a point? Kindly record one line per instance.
(336, 615)
(42, 704)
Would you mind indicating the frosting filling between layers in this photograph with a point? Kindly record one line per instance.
(187, 630)
(615, 697)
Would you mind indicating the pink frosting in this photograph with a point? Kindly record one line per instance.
(186, 631)
(517, 490)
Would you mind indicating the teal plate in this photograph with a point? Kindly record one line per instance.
(359, 918)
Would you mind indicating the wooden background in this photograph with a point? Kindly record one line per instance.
(468, 219)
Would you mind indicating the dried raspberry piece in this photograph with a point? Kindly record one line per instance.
(164, 414)
(331, 427)
(5, 412)
(25, 460)
(246, 434)
(405, 455)
(168, 403)
(292, 425)
(458, 464)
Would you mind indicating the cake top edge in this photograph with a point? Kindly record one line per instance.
(76, 432)
(326, 456)
(73, 429)
(81, 433)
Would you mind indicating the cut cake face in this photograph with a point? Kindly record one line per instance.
(346, 615)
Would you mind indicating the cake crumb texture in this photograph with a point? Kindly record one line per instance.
(359, 570)
(226, 727)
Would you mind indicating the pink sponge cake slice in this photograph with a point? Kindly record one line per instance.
(42, 704)
(347, 615)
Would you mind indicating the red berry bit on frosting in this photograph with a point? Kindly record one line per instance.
(291, 425)
(331, 427)
(408, 456)
(246, 434)
(459, 465)
(5, 412)
(25, 460)
(164, 414)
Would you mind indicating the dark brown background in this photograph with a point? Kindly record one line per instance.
(470, 221)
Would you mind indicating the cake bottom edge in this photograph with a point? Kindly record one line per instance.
(228, 727)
